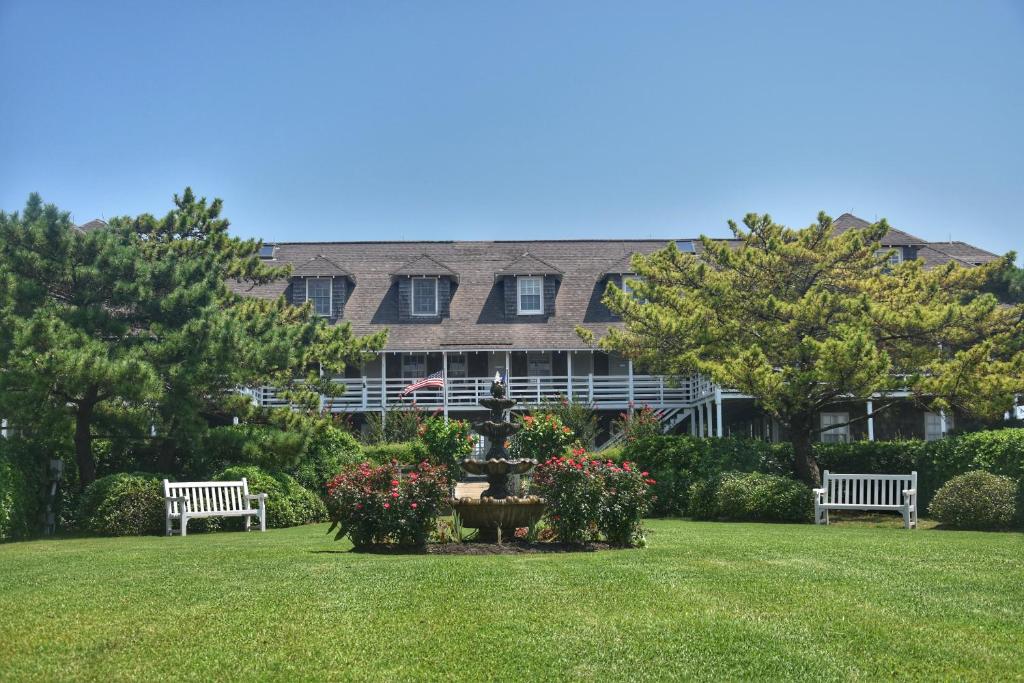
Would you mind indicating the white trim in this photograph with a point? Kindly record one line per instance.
(330, 295)
(520, 281)
(412, 297)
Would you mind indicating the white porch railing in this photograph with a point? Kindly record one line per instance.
(464, 393)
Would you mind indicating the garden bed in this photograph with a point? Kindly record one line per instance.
(471, 548)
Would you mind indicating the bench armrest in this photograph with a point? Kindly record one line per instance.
(819, 493)
(171, 499)
(909, 492)
(256, 496)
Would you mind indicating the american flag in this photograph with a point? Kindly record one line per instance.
(432, 381)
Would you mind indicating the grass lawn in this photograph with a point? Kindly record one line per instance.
(705, 600)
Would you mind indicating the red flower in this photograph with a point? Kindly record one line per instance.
(387, 506)
(413, 506)
(394, 494)
(394, 482)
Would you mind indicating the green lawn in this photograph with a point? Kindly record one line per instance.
(705, 600)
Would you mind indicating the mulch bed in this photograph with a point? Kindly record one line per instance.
(471, 548)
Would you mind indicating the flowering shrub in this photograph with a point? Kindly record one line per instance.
(588, 497)
(447, 442)
(374, 505)
(541, 438)
(642, 424)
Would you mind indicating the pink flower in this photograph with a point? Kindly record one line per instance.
(394, 482)
(394, 494)
(387, 506)
(413, 506)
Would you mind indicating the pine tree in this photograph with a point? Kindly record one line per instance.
(133, 327)
(802, 319)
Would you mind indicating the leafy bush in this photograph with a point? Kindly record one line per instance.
(396, 426)
(540, 438)
(642, 424)
(752, 496)
(404, 453)
(21, 492)
(976, 500)
(580, 418)
(379, 504)
(447, 442)
(676, 462)
(328, 451)
(288, 502)
(124, 504)
(589, 497)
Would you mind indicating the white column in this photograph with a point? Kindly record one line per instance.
(444, 378)
(942, 422)
(630, 370)
(383, 387)
(719, 427)
(568, 369)
(871, 420)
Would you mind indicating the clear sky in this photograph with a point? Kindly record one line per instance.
(438, 120)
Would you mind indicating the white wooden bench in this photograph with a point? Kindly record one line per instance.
(897, 492)
(185, 500)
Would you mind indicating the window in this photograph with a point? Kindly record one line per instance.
(531, 300)
(267, 252)
(318, 290)
(414, 366)
(895, 255)
(627, 286)
(933, 426)
(538, 364)
(838, 434)
(424, 296)
(456, 365)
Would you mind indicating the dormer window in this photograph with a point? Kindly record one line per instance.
(531, 300)
(318, 290)
(895, 255)
(424, 296)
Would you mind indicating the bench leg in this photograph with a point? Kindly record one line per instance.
(263, 520)
(184, 525)
(906, 516)
(167, 527)
(247, 519)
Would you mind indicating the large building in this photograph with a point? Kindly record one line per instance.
(470, 309)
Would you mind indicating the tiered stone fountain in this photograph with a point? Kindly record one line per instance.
(497, 508)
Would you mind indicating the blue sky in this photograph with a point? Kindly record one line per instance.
(436, 120)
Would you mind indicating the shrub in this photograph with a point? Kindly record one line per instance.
(642, 424)
(21, 493)
(124, 504)
(677, 462)
(588, 497)
(404, 453)
(394, 427)
(288, 502)
(976, 500)
(446, 442)
(752, 496)
(541, 438)
(580, 418)
(329, 450)
(379, 504)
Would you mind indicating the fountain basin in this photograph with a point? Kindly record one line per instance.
(496, 466)
(490, 514)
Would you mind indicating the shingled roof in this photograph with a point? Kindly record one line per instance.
(476, 318)
(528, 264)
(426, 266)
(893, 238)
(320, 266)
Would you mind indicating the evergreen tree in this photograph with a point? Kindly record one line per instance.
(802, 319)
(133, 327)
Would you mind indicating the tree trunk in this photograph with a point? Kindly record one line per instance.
(83, 440)
(804, 464)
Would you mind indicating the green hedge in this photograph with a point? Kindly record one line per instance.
(288, 502)
(328, 452)
(405, 452)
(751, 496)
(124, 504)
(676, 462)
(22, 485)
